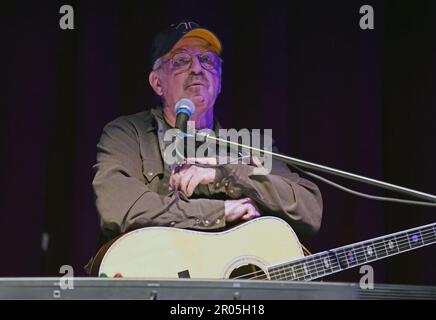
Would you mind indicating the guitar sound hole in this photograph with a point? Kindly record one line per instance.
(248, 271)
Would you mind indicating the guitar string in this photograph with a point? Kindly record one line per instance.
(320, 270)
(318, 264)
(402, 236)
(360, 252)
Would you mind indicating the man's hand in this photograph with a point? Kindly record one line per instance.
(188, 176)
(240, 209)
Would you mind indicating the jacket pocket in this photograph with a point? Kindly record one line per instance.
(151, 169)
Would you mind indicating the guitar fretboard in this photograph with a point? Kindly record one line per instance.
(332, 261)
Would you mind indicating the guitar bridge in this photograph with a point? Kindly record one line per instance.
(184, 274)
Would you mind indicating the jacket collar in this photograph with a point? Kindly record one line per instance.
(157, 116)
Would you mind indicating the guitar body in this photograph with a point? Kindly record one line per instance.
(171, 253)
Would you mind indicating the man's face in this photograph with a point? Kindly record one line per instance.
(194, 82)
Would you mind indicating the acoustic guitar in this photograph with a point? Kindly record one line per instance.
(263, 248)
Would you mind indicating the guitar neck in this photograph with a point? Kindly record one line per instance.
(332, 261)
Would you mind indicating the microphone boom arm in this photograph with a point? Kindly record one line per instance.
(322, 168)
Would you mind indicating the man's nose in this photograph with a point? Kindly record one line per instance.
(196, 65)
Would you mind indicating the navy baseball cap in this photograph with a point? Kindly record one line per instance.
(165, 40)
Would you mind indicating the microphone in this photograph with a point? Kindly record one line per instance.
(185, 108)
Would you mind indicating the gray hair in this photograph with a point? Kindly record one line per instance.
(157, 64)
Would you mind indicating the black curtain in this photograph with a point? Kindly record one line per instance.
(357, 100)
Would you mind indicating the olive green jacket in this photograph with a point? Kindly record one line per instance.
(131, 185)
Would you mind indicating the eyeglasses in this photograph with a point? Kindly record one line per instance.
(182, 61)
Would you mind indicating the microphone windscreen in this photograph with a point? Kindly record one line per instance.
(186, 106)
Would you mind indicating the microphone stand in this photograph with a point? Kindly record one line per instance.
(318, 167)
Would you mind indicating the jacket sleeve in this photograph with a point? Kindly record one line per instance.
(281, 193)
(125, 202)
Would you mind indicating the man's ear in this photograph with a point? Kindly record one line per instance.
(154, 81)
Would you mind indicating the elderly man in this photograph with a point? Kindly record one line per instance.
(135, 188)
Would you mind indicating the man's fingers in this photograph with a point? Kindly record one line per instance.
(185, 178)
(174, 181)
(243, 209)
(176, 176)
(251, 211)
(250, 216)
(181, 177)
(193, 183)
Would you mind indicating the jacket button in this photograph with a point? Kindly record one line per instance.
(218, 221)
(150, 173)
(206, 222)
(172, 223)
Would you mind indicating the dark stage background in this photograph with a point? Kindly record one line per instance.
(357, 100)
